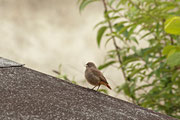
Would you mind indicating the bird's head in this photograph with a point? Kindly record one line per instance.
(90, 65)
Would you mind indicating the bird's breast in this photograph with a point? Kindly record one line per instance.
(91, 78)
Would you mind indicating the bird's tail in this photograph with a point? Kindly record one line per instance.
(106, 84)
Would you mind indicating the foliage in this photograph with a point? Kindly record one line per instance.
(173, 55)
(172, 25)
(63, 76)
(151, 71)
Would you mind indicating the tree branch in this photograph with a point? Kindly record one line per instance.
(172, 41)
(114, 40)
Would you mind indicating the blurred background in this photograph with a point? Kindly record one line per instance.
(44, 34)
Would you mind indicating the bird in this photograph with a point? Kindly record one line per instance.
(94, 76)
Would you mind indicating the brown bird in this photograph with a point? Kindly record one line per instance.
(94, 76)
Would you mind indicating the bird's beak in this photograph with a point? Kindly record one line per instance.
(85, 65)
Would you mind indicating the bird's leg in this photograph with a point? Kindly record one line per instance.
(98, 88)
(93, 87)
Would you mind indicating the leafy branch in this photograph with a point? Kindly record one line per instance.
(149, 53)
(113, 38)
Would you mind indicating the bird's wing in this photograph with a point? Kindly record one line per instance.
(99, 74)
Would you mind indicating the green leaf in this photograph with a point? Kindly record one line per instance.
(135, 71)
(119, 26)
(74, 82)
(112, 18)
(124, 30)
(145, 35)
(130, 60)
(119, 89)
(100, 34)
(103, 90)
(131, 31)
(170, 49)
(175, 75)
(126, 89)
(171, 52)
(100, 23)
(167, 49)
(172, 25)
(174, 59)
(108, 41)
(84, 3)
(134, 39)
(144, 86)
(121, 29)
(106, 65)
